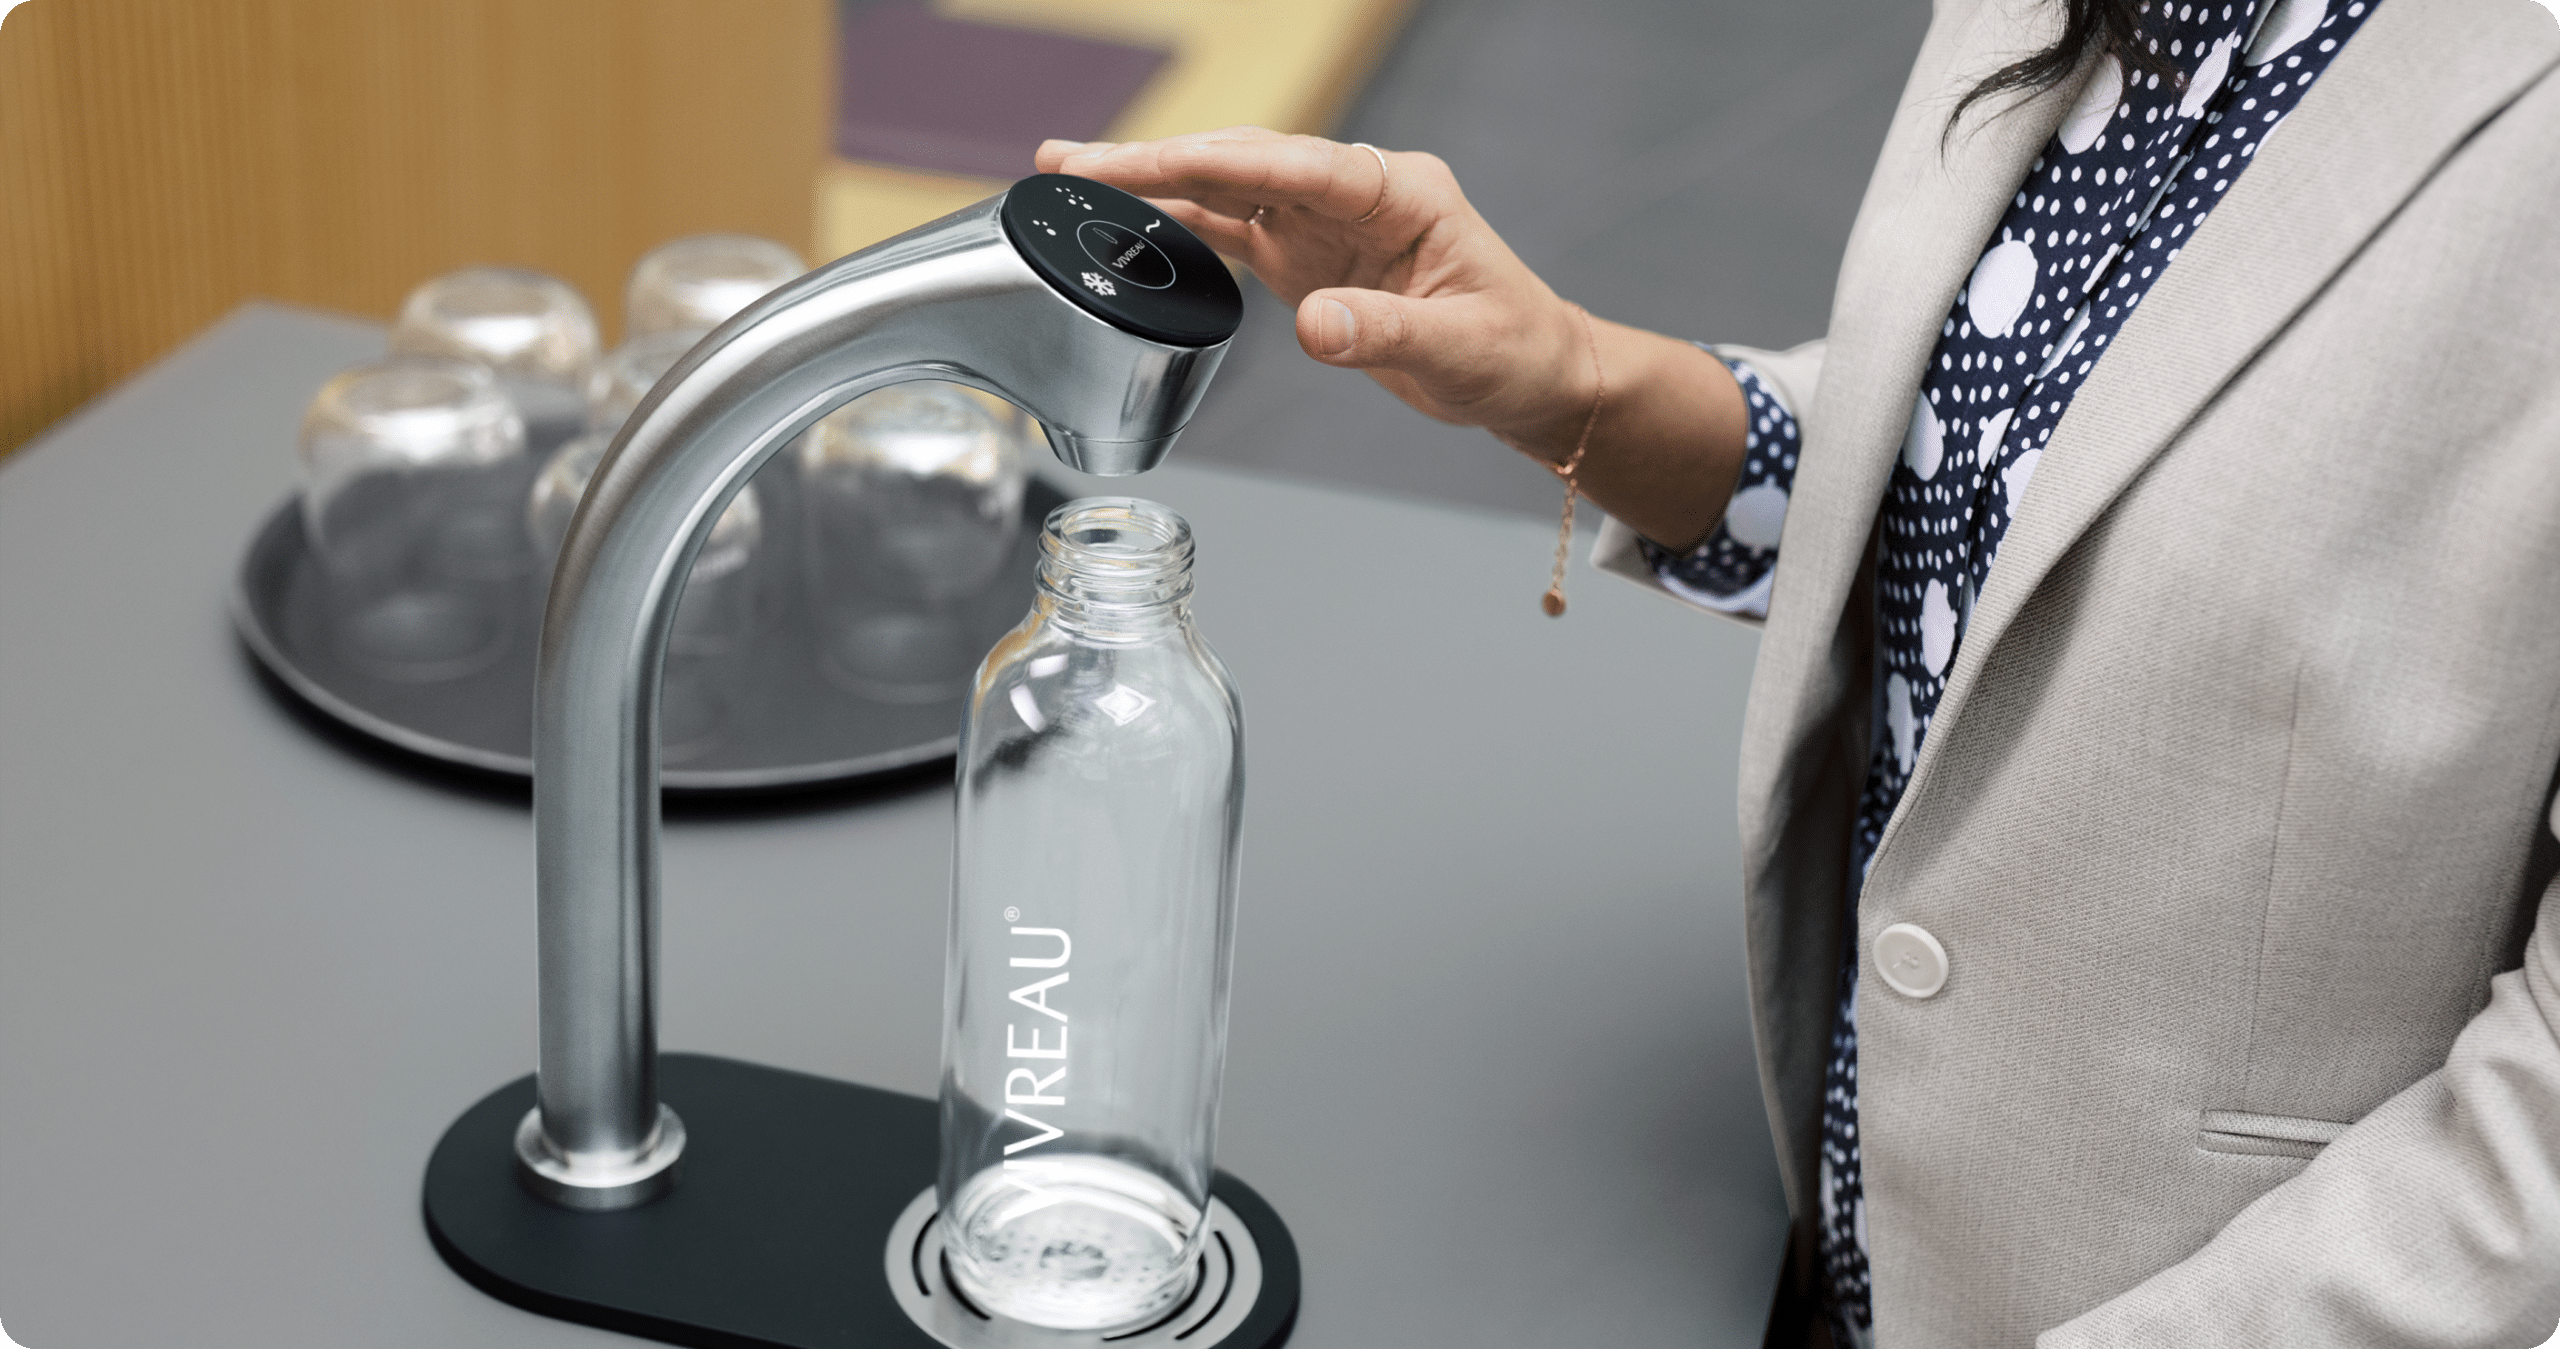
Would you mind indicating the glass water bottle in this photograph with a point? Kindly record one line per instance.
(1092, 921)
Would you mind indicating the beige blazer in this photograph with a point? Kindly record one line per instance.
(2236, 819)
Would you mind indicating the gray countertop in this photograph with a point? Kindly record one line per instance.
(1489, 1057)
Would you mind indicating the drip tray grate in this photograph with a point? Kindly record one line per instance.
(1223, 1298)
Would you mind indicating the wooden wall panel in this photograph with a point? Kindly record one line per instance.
(162, 160)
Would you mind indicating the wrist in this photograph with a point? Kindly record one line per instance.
(1566, 382)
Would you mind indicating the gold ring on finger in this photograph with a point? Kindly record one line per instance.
(1383, 175)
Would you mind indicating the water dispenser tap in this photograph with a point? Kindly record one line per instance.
(1084, 305)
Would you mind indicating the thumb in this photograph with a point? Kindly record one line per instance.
(1371, 329)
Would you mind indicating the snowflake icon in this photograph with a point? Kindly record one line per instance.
(1100, 284)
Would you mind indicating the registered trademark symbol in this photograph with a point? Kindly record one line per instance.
(1013, 915)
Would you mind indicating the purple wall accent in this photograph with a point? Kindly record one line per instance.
(925, 92)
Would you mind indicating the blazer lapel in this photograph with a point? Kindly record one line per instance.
(2417, 80)
(1918, 235)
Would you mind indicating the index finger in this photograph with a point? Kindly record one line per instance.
(1242, 163)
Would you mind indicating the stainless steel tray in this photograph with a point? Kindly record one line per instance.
(782, 722)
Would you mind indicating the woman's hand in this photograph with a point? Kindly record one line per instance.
(1394, 273)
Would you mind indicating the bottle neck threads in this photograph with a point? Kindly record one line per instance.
(1111, 563)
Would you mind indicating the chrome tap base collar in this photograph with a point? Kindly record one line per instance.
(585, 1183)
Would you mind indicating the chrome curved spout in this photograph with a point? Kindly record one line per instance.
(954, 300)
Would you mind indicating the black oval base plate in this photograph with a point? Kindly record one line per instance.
(771, 1238)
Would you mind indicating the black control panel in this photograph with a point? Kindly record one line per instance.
(1123, 261)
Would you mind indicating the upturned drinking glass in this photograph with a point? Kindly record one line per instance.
(912, 497)
(405, 462)
(1101, 789)
(535, 331)
(697, 283)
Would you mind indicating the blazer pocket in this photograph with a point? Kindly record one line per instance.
(2265, 1135)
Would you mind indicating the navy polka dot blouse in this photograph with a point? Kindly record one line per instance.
(2137, 165)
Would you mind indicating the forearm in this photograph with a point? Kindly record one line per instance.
(1668, 445)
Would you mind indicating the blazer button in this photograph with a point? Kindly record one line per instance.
(1912, 961)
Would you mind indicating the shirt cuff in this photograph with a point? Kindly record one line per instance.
(1730, 573)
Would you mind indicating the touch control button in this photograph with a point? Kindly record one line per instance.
(1121, 260)
(1129, 255)
(1912, 961)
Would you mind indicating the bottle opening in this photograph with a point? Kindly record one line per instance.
(1120, 552)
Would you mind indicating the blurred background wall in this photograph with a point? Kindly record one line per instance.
(163, 160)
(1687, 165)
